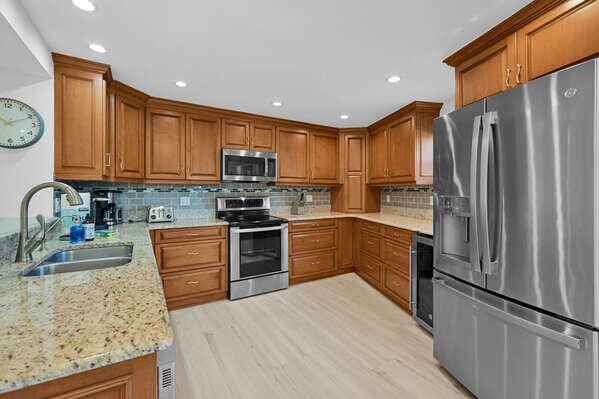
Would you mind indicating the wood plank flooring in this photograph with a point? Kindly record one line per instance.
(331, 338)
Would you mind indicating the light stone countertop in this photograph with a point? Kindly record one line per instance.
(403, 222)
(57, 325)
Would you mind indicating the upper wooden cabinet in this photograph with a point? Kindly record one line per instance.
(165, 144)
(203, 147)
(306, 157)
(324, 157)
(541, 38)
(129, 136)
(293, 155)
(79, 118)
(400, 149)
(263, 137)
(236, 134)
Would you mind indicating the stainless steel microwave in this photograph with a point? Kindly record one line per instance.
(242, 165)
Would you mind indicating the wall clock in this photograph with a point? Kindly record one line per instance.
(20, 125)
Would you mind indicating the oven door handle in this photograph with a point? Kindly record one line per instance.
(259, 229)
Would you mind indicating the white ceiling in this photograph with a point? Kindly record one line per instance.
(322, 58)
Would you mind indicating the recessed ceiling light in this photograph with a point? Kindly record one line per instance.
(344, 116)
(85, 5)
(393, 79)
(181, 83)
(97, 48)
(277, 104)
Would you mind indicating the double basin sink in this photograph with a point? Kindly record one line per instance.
(82, 259)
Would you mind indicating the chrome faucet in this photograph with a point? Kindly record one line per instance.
(27, 245)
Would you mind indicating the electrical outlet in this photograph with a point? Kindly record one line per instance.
(431, 201)
(387, 198)
(185, 201)
(309, 198)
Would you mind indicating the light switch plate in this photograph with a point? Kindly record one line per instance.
(185, 201)
(431, 201)
(387, 198)
(309, 198)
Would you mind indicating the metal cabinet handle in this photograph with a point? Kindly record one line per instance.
(316, 263)
(194, 253)
(315, 240)
(396, 253)
(370, 242)
(122, 164)
(519, 70)
(108, 160)
(565, 339)
(194, 282)
(508, 71)
(396, 283)
(192, 234)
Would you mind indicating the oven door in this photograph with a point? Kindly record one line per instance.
(241, 165)
(258, 251)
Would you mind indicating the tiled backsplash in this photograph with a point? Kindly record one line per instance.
(414, 201)
(136, 197)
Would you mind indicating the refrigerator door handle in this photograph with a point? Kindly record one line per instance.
(489, 266)
(538, 329)
(474, 195)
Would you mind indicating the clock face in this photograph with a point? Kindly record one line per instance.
(20, 125)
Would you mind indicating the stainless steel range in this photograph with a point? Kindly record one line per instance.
(258, 247)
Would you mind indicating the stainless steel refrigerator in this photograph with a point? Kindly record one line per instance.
(516, 250)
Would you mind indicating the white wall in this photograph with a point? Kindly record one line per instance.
(23, 168)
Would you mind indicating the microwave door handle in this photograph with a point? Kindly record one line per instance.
(474, 195)
(489, 120)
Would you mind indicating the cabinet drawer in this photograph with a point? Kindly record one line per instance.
(312, 224)
(190, 255)
(397, 284)
(370, 268)
(371, 226)
(370, 244)
(312, 264)
(190, 234)
(197, 282)
(396, 255)
(405, 236)
(305, 242)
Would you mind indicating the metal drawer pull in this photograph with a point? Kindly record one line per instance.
(370, 242)
(565, 339)
(194, 253)
(193, 234)
(316, 263)
(396, 253)
(194, 282)
(315, 240)
(396, 283)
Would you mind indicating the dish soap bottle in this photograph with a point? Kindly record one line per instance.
(90, 228)
(77, 232)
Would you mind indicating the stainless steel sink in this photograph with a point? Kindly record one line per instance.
(81, 259)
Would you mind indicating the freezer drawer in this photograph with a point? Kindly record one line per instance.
(499, 349)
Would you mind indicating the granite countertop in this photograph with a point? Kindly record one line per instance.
(62, 324)
(403, 222)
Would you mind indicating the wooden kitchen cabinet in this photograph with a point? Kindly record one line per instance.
(400, 146)
(541, 38)
(79, 118)
(236, 134)
(192, 263)
(203, 146)
(354, 196)
(129, 379)
(165, 144)
(293, 155)
(263, 137)
(345, 243)
(324, 158)
(129, 137)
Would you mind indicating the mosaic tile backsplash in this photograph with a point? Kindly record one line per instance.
(413, 201)
(134, 198)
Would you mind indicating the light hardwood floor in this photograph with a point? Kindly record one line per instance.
(331, 338)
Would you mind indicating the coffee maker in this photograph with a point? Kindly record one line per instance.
(104, 210)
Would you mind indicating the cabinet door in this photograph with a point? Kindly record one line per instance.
(486, 73)
(345, 244)
(165, 144)
(293, 155)
(236, 134)
(263, 138)
(129, 137)
(203, 148)
(325, 158)
(377, 156)
(354, 193)
(564, 36)
(80, 105)
(401, 151)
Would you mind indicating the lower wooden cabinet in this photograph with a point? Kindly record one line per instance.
(370, 270)
(306, 265)
(192, 263)
(130, 379)
(396, 285)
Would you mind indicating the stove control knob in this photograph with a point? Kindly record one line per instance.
(153, 217)
(168, 216)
